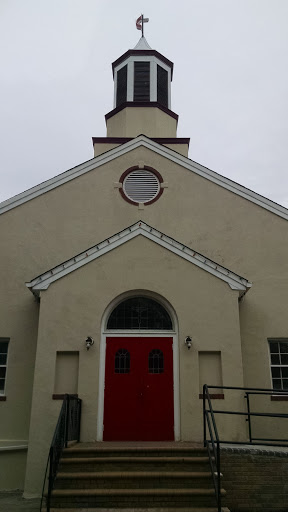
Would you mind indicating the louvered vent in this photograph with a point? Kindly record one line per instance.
(141, 81)
(141, 186)
(121, 96)
(162, 86)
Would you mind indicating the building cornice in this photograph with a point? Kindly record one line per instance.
(123, 140)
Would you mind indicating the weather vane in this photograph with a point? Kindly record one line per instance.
(140, 23)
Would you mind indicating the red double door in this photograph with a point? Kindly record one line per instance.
(138, 396)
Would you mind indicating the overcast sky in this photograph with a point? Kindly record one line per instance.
(229, 88)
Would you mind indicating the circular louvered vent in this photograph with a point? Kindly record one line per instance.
(141, 185)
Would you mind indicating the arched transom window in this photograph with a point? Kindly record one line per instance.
(140, 313)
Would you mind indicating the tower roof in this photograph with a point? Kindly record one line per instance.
(142, 44)
(143, 48)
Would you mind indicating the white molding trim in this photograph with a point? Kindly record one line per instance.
(115, 89)
(169, 88)
(130, 82)
(117, 334)
(153, 80)
(43, 281)
(144, 141)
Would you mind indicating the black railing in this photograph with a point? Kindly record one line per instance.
(67, 429)
(213, 444)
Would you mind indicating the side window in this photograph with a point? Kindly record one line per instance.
(279, 363)
(156, 361)
(3, 363)
(122, 361)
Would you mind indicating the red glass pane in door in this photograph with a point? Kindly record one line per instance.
(138, 404)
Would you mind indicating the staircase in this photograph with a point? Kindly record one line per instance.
(139, 475)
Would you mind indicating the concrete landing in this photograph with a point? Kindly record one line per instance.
(13, 502)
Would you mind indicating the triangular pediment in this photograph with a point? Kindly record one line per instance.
(125, 148)
(140, 228)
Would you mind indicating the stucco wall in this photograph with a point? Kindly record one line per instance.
(132, 121)
(73, 307)
(12, 468)
(57, 225)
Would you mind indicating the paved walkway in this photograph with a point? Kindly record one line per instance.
(257, 447)
(13, 502)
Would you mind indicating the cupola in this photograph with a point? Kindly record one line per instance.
(142, 94)
(142, 100)
(142, 75)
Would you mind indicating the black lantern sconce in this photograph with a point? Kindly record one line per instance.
(188, 342)
(89, 342)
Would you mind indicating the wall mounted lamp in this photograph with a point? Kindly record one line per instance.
(89, 342)
(188, 342)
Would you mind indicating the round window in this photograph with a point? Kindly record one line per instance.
(141, 185)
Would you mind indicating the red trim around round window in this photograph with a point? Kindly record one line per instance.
(136, 168)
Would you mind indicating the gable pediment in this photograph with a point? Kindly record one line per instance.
(140, 228)
(150, 144)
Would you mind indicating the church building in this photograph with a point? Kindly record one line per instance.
(131, 281)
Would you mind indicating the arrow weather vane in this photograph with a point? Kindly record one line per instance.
(140, 23)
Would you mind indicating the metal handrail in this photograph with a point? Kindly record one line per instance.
(269, 390)
(249, 414)
(215, 444)
(67, 429)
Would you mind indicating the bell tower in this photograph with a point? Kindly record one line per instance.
(142, 94)
(142, 100)
(142, 75)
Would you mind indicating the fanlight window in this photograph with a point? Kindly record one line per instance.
(140, 313)
(122, 361)
(156, 361)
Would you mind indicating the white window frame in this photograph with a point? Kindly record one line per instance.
(4, 340)
(277, 340)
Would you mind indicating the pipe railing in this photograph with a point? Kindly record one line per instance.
(67, 429)
(213, 444)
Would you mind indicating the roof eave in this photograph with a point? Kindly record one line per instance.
(152, 53)
(43, 281)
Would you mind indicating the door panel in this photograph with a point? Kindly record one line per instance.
(138, 403)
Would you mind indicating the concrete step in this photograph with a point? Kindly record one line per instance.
(134, 479)
(133, 498)
(102, 450)
(135, 492)
(138, 463)
(170, 509)
(162, 477)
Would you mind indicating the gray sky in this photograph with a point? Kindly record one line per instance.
(229, 88)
